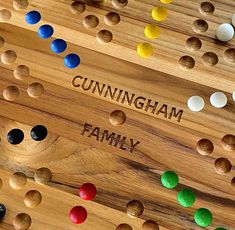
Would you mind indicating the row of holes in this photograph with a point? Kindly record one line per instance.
(92, 21)
(194, 44)
(222, 165)
(217, 100)
(39, 132)
(12, 92)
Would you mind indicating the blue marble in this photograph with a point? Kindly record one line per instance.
(58, 46)
(45, 31)
(72, 61)
(33, 17)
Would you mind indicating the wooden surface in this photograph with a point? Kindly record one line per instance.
(52, 212)
(169, 47)
(166, 142)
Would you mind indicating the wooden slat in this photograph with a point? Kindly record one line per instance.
(52, 212)
(166, 142)
(161, 148)
(124, 44)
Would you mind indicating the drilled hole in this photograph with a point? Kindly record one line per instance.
(222, 165)
(8, 57)
(119, 3)
(77, 7)
(134, 208)
(11, 93)
(229, 55)
(22, 221)
(207, 8)
(150, 225)
(200, 26)
(186, 62)
(32, 198)
(193, 44)
(35, 90)
(117, 117)
(205, 147)
(17, 181)
(90, 21)
(5, 15)
(210, 59)
(43, 176)
(112, 18)
(124, 227)
(20, 4)
(104, 36)
(21, 72)
(228, 142)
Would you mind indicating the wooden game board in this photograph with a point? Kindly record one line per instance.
(122, 153)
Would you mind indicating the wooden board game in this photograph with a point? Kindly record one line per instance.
(117, 114)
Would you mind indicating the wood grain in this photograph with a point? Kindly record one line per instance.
(71, 114)
(161, 132)
(118, 179)
(123, 46)
(52, 212)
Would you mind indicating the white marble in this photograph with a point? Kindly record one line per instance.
(196, 103)
(218, 99)
(225, 32)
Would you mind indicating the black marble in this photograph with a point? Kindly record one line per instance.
(15, 136)
(39, 132)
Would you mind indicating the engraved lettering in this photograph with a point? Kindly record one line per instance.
(120, 140)
(154, 107)
(84, 83)
(176, 115)
(138, 103)
(163, 110)
(122, 143)
(119, 95)
(133, 145)
(95, 132)
(110, 138)
(74, 81)
(117, 140)
(109, 91)
(97, 86)
(127, 98)
(147, 105)
(86, 128)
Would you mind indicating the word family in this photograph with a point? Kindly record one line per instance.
(111, 138)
